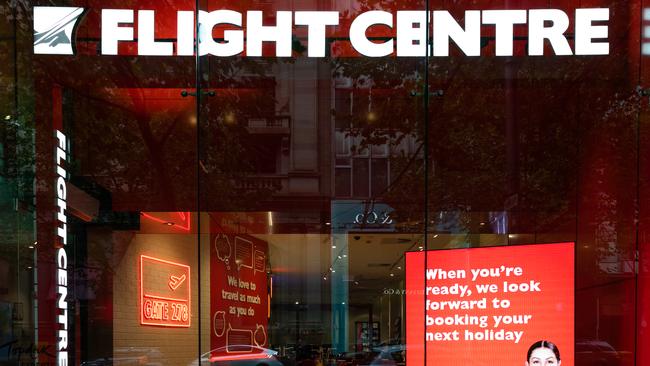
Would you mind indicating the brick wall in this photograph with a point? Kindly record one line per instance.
(160, 345)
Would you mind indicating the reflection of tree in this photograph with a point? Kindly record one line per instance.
(144, 149)
(229, 153)
(16, 141)
(142, 155)
(385, 112)
(559, 105)
(149, 156)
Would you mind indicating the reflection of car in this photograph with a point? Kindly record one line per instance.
(596, 353)
(239, 355)
(353, 358)
(389, 355)
(128, 356)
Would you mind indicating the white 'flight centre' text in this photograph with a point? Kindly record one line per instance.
(61, 150)
(590, 32)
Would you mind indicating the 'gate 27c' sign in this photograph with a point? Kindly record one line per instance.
(54, 31)
(164, 293)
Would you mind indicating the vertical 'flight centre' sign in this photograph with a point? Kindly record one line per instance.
(490, 306)
(245, 33)
(60, 155)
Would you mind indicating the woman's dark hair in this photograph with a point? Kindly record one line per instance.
(544, 344)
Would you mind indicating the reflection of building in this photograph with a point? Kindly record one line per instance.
(285, 136)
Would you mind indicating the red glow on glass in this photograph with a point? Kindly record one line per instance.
(184, 216)
(246, 356)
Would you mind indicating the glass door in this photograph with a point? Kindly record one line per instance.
(310, 186)
(115, 157)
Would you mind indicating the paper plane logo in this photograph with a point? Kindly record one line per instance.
(175, 281)
(54, 28)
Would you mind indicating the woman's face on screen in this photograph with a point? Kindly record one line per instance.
(543, 357)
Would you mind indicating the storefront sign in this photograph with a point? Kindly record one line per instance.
(165, 297)
(60, 154)
(489, 306)
(54, 32)
(372, 217)
(239, 297)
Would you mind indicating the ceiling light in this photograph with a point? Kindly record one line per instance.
(229, 118)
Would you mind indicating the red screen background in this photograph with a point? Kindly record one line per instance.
(552, 308)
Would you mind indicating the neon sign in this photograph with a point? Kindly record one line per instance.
(54, 26)
(165, 293)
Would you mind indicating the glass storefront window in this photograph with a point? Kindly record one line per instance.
(207, 183)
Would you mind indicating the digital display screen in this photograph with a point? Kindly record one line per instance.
(490, 306)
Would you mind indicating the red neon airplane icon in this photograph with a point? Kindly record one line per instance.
(175, 281)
